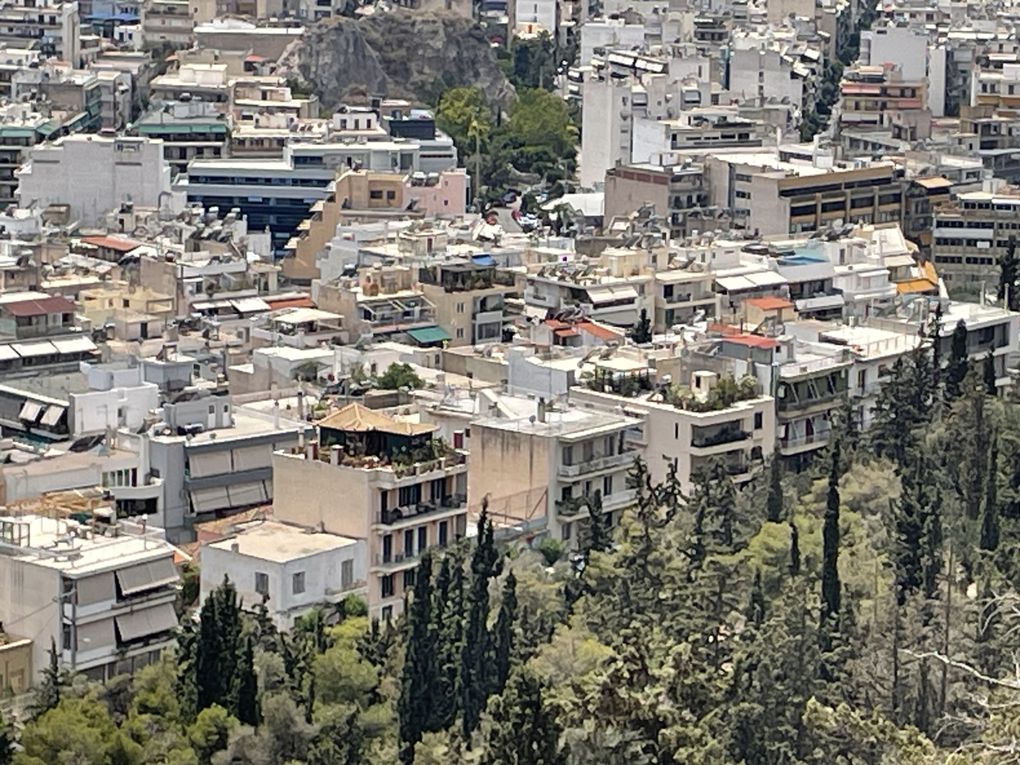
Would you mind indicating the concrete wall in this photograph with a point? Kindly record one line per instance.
(311, 492)
(27, 606)
(95, 411)
(513, 469)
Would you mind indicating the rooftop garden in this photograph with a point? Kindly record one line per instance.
(724, 394)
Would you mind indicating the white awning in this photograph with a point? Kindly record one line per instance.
(250, 305)
(252, 457)
(600, 294)
(766, 279)
(27, 350)
(52, 415)
(95, 589)
(535, 312)
(80, 344)
(95, 635)
(204, 464)
(151, 621)
(30, 411)
(7, 353)
(820, 303)
(209, 500)
(146, 576)
(244, 494)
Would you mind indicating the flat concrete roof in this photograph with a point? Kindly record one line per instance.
(281, 542)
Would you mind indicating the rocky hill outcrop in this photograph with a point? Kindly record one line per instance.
(398, 55)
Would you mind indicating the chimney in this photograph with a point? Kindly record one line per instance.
(276, 415)
(541, 410)
(235, 547)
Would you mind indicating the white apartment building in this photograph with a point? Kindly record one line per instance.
(539, 464)
(387, 482)
(54, 27)
(102, 592)
(742, 435)
(296, 568)
(533, 17)
(94, 174)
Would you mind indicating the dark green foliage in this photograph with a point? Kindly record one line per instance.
(6, 742)
(1009, 276)
(794, 566)
(524, 729)
(245, 685)
(831, 587)
(419, 663)
(958, 364)
(600, 537)
(990, 516)
(51, 687)
(533, 61)
(398, 376)
(774, 501)
(641, 332)
(988, 369)
(503, 634)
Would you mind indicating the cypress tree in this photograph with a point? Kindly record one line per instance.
(445, 697)
(503, 639)
(219, 634)
(990, 516)
(756, 606)
(909, 530)
(50, 690)
(989, 374)
(934, 334)
(524, 729)
(831, 587)
(476, 652)
(600, 537)
(774, 501)
(957, 367)
(1009, 271)
(416, 680)
(794, 550)
(246, 690)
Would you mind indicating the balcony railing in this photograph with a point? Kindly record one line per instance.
(727, 436)
(420, 510)
(396, 559)
(795, 441)
(596, 463)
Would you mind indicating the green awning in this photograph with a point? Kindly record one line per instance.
(429, 335)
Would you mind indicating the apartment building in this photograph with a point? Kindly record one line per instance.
(691, 427)
(538, 464)
(777, 193)
(972, 232)
(382, 301)
(189, 130)
(676, 193)
(657, 141)
(94, 174)
(683, 295)
(386, 481)
(881, 98)
(468, 295)
(297, 569)
(101, 589)
(166, 23)
(54, 27)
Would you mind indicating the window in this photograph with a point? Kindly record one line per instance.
(387, 586)
(444, 532)
(758, 420)
(568, 455)
(423, 538)
(566, 530)
(261, 583)
(297, 583)
(387, 613)
(607, 485)
(346, 574)
(375, 194)
(460, 308)
(408, 543)
(676, 431)
(566, 493)
(409, 579)
(460, 333)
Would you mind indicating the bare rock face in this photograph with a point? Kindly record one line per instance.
(401, 54)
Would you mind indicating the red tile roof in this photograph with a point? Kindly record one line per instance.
(111, 243)
(303, 302)
(39, 306)
(770, 303)
(754, 341)
(603, 333)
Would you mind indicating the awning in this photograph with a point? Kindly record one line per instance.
(27, 350)
(73, 345)
(244, 494)
(250, 305)
(429, 335)
(209, 500)
(7, 353)
(151, 621)
(605, 294)
(203, 464)
(252, 457)
(820, 303)
(52, 415)
(484, 259)
(146, 576)
(30, 411)
(535, 312)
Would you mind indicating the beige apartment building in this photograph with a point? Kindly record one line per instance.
(375, 478)
(468, 294)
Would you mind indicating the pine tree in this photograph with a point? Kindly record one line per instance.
(774, 501)
(956, 368)
(794, 550)
(524, 729)
(419, 663)
(504, 631)
(831, 587)
(990, 516)
(246, 687)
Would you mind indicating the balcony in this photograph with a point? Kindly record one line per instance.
(489, 317)
(722, 437)
(798, 444)
(395, 561)
(596, 464)
(410, 514)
